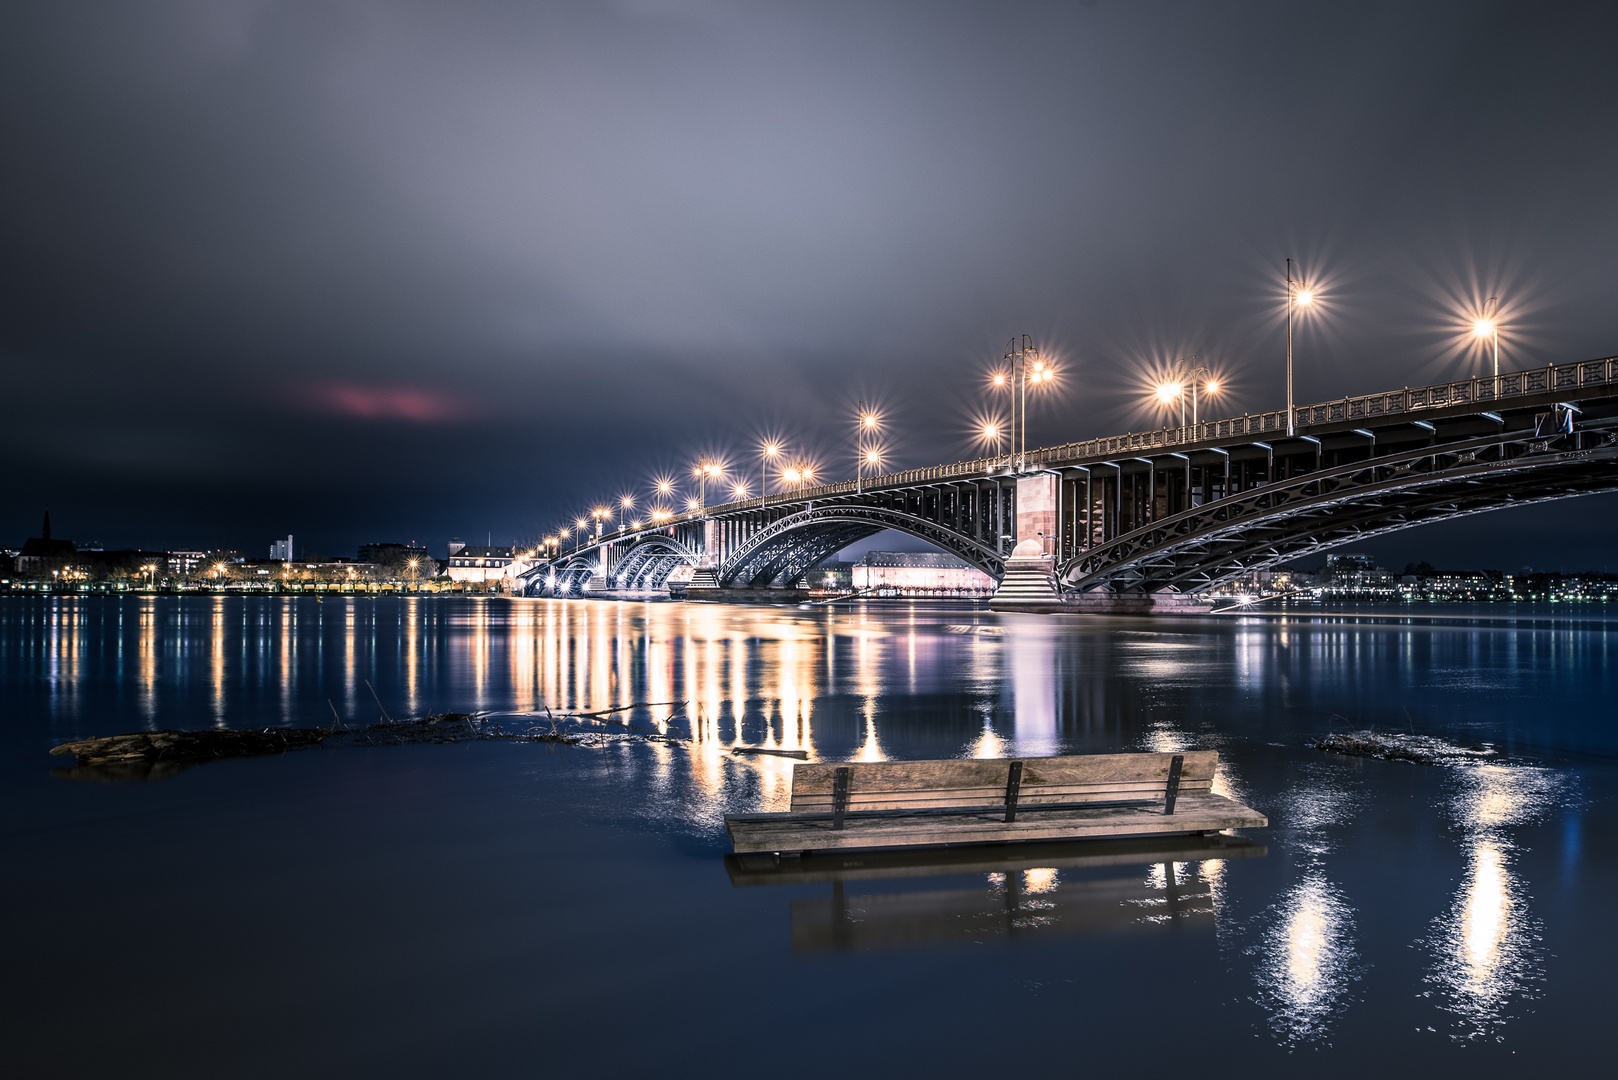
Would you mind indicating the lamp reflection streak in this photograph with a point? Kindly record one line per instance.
(1307, 957)
(1486, 952)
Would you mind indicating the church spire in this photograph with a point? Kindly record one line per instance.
(46, 534)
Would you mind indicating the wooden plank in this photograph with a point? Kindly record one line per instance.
(792, 832)
(815, 778)
(968, 797)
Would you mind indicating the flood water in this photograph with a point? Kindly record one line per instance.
(520, 909)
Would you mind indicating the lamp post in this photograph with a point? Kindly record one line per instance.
(624, 504)
(1300, 293)
(767, 453)
(1180, 374)
(579, 527)
(705, 468)
(1489, 327)
(1026, 367)
(868, 426)
(999, 380)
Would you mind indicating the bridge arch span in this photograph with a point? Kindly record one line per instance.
(792, 546)
(648, 563)
(1207, 546)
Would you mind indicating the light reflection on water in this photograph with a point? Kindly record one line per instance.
(1486, 948)
(1307, 957)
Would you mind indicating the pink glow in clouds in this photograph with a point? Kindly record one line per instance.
(392, 403)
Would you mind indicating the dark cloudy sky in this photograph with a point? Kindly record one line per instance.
(404, 270)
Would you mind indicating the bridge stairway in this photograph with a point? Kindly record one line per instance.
(1030, 581)
(704, 578)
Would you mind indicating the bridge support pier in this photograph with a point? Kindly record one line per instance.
(1030, 582)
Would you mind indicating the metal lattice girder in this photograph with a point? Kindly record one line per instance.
(649, 561)
(1257, 529)
(791, 546)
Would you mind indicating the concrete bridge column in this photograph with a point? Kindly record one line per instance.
(1030, 581)
(706, 575)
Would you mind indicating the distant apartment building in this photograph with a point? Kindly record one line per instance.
(1357, 575)
(183, 563)
(899, 573)
(281, 550)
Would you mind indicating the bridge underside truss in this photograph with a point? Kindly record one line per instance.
(648, 564)
(1204, 547)
(790, 547)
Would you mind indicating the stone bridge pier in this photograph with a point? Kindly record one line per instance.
(1030, 583)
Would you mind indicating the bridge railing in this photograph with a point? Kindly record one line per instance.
(1551, 378)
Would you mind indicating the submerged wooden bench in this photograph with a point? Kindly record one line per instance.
(885, 804)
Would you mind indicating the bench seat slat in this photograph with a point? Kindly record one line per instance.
(799, 832)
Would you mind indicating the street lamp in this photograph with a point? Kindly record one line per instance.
(701, 471)
(767, 453)
(600, 513)
(578, 527)
(990, 433)
(1027, 367)
(1303, 296)
(1489, 327)
(624, 504)
(1181, 375)
(869, 425)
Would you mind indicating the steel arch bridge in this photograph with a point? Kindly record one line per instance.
(1172, 511)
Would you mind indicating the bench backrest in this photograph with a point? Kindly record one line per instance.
(978, 782)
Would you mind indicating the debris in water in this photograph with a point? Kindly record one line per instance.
(149, 755)
(1392, 746)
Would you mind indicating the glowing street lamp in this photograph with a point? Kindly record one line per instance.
(1301, 294)
(578, 527)
(767, 453)
(701, 472)
(1027, 367)
(600, 513)
(1488, 327)
(1183, 375)
(624, 504)
(869, 427)
(990, 432)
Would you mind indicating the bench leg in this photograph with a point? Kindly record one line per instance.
(1013, 786)
(839, 797)
(1172, 790)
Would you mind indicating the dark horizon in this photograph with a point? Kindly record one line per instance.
(403, 273)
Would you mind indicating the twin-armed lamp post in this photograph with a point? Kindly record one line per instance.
(1187, 371)
(1302, 295)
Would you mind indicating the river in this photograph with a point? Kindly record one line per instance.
(507, 908)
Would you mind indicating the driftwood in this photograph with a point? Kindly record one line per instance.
(1393, 746)
(801, 755)
(152, 754)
